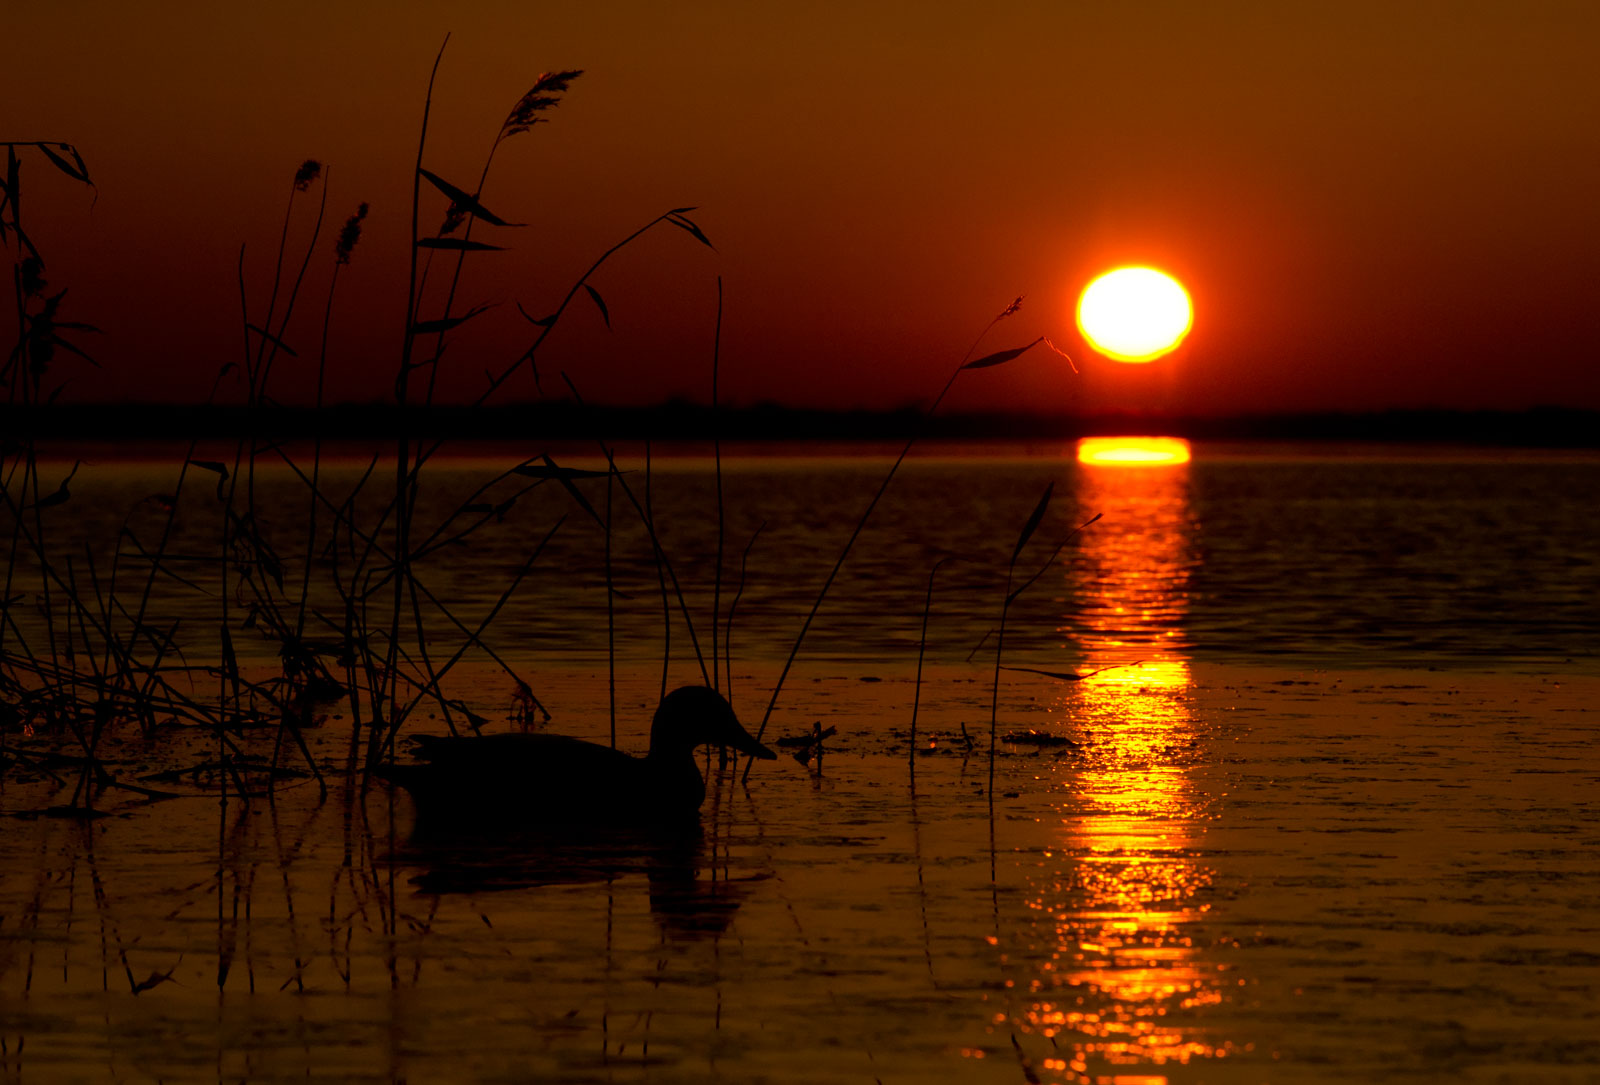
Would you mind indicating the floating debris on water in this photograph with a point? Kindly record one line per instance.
(1038, 738)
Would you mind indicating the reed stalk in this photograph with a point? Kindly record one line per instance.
(716, 446)
(922, 650)
(611, 621)
(988, 361)
(727, 636)
(1011, 596)
(402, 506)
(661, 579)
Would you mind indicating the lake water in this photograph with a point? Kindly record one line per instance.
(1329, 817)
(1333, 556)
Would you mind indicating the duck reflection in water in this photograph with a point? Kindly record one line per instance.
(511, 811)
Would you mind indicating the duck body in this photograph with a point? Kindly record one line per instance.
(557, 781)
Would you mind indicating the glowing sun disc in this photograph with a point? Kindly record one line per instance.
(1132, 451)
(1134, 314)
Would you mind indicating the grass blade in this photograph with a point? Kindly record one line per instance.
(550, 470)
(683, 223)
(600, 303)
(1033, 522)
(541, 321)
(1003, 356)
(459, 244)
(77, 173)
(273, 339)
(461, 199)
(428, 327)
(563, 476)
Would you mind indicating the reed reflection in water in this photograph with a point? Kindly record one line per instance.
(1123, 979)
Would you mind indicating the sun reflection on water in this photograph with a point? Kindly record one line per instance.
(1121, 977)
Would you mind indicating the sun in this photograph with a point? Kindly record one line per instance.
(1134, 314)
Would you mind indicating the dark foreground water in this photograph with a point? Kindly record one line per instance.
(1242, 876)
(1281, 849)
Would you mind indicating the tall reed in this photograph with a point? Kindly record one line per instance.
(357, 617)
(986, 362)
(1011, 596)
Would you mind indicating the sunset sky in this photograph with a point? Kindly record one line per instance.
(1372, 204)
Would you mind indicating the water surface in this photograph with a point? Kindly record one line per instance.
(1249, 847)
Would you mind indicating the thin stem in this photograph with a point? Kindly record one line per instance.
(922, 648)
(994, 695)
(661, 579)
(402, 508)
(839, 564)
(611, 620)
(727, 638)
(316, 456)
(716, 445)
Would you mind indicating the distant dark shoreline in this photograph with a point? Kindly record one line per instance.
(1546, 427)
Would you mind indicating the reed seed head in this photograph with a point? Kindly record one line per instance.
(309, 171)
(542, 96)
(350, 235)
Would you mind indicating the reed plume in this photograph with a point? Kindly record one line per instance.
(308, 172)
(542, 96)
(350, 235)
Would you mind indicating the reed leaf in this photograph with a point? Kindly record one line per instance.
(461, 199)
(220, 470)
(1069, 676)
(550, 470)
(57, 341)
(78, 158)
(51, 500)
(1065, 676)
(1033, 522)
(1053, 555)
(1003, 356)
(458, 244)
(158, 565)
(541, 321)
(600, 303)
(563, 476)
(155, 979)
(23, 237)
(429, 327)
(78, 172)
(684, 224)
(62, 494)
(273, 339)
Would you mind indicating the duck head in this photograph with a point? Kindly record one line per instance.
(693, 716)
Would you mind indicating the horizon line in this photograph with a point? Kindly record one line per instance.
(1538, 427)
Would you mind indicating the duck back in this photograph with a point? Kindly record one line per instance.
(546, 779)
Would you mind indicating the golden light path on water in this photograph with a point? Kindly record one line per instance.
(1133, 451)
(1121, 980)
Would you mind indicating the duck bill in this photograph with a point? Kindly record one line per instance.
(745, 743)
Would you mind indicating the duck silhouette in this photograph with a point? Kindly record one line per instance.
(553, 781)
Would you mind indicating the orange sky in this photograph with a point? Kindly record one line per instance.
(1372, 204)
